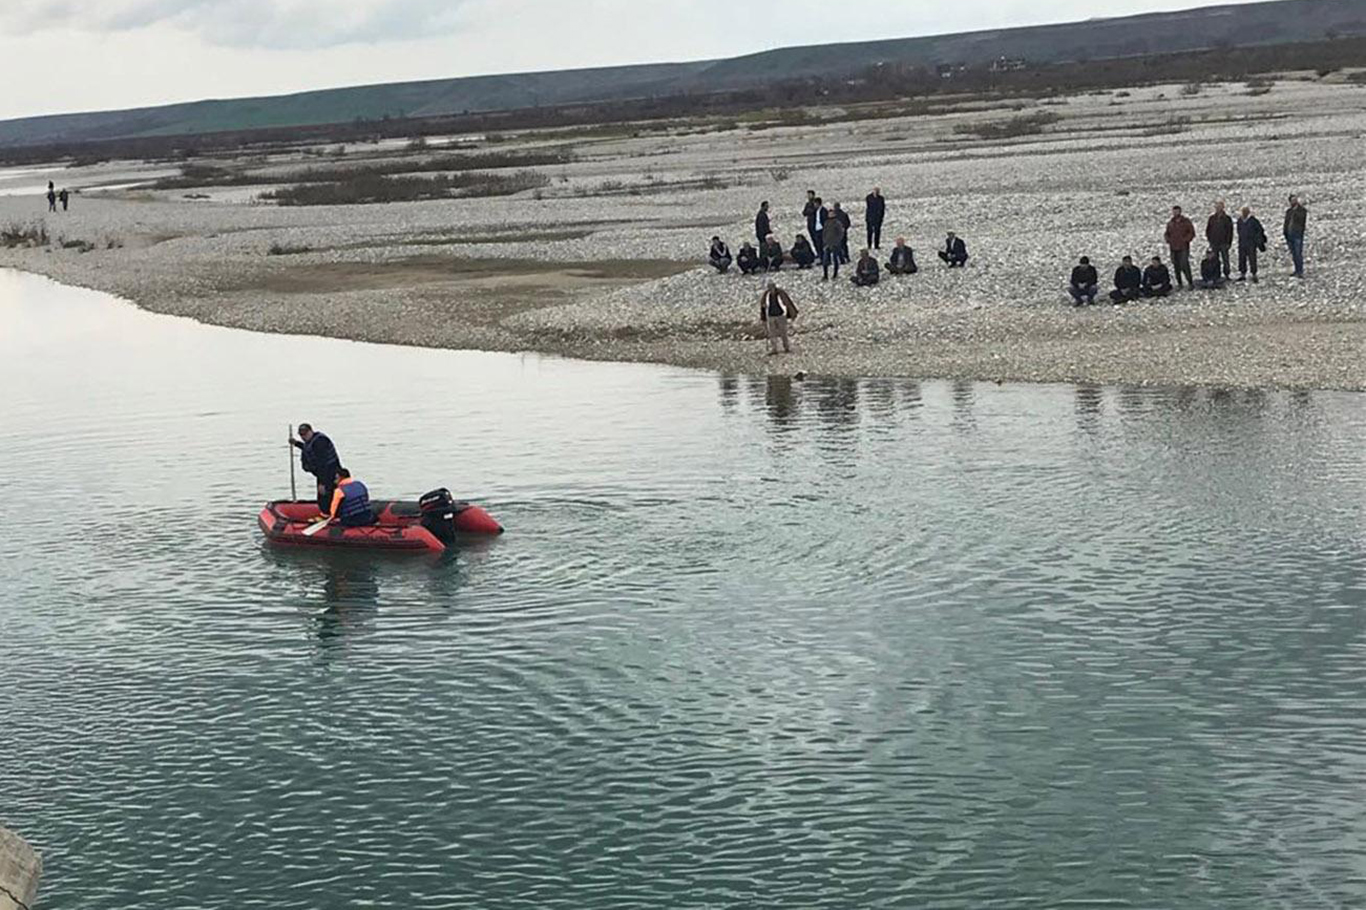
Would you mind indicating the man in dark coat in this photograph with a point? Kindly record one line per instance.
(719, 256)
(812, 214)
(955, 251)
(1085, 282)
(866, 271)
(771, 254)
(874, 214)
(319, 458)
(748, 259)
(1251, 241)
(903, 259)
(842, 216)
(1128, 282)
(802, 253)
(1296, 221)
(1211, 278)
(1219, 233)
(834, 240)
(762, 227)
(1179, 235)
(1157, 281)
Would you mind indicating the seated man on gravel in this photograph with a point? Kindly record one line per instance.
(1085, 281)
(1128, 282)
(748, 259)
(771, 254)
(802, 253)
(720, 255)
(903, 259)
(955, 251)
(1211, 271)
(866, 271)
(1157, 279)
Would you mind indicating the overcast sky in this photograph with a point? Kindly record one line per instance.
(80, 55)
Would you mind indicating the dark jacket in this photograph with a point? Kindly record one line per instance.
(1128, 278)
(1219, 230)
(1084, 276)
(809, 213)
(867, 269)
(843, 217)
(747, 259)
(1210, 270)
(877, 208)
(776, 303)
(720, 251)
(834, 233)
(1180, 233)
(772, 252)
(1157, 276)
(319, 457)
(762, 227)
(1296, 217)
(802, 252)
(1251, 235)
(956, 249)
(903, 259)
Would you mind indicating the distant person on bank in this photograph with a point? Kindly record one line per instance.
(776, 309)
(1296, 221)
(903, 259)
(833, 236)
(1211, 272)
(319, 457)
(762, 226)
(955, 251)
(64, 197)
(802, 253)
(874, 213)
(1219, 232)
(1128, 282)
(1251, 242)
(51, 196)
(1180, 234)
(1157, 280)
(719, 256)
(1085, 282)
(812, 213)
(771, 254)
(748, 259)
(843, 218)
(866, 272)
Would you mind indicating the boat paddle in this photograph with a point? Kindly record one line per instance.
(293, 491)
(317, 526)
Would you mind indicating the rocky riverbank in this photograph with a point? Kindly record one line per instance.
(602, 264)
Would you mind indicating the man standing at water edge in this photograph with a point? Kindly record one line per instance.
(319, 458)
(775, 309)
(1296, 218)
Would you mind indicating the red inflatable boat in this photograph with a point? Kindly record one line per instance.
(428, 526)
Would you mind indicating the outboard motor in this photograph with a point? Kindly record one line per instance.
(438, 510)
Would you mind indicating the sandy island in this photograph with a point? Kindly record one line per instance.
(606, 263)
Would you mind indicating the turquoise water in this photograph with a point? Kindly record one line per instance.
(747, 643)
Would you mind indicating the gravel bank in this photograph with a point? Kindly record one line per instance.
(1098, 182)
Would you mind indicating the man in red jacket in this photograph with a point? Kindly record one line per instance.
(1180, 234)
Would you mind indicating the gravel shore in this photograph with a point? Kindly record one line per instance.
(604, 264)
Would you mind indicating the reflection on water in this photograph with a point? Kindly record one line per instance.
(749, 642)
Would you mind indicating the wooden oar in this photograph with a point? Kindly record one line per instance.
(314, 529)
(289, 445)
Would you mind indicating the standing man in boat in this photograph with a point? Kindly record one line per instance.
(319, 458)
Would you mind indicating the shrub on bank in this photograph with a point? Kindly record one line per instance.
(1027, 125)
(369, 188)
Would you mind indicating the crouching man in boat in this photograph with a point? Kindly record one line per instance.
(319, 458)
(350, 502)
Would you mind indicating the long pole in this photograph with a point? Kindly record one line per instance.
(289, 444)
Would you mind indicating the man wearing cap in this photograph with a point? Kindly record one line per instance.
(319, 458)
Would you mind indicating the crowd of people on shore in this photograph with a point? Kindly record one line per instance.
(826, 242)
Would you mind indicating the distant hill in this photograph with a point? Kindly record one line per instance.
(1256, 24)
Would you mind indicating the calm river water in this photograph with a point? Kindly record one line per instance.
(748, 642)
